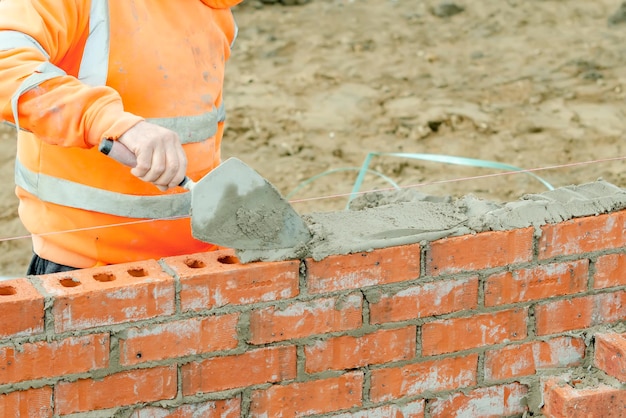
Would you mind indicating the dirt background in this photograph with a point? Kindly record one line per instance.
(312, 89)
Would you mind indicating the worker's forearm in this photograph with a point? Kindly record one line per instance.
(36, 38)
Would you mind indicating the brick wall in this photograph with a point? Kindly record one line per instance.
(478, 325)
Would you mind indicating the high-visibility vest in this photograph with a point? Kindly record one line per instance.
(164, 62)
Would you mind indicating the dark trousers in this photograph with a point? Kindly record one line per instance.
(40, 266)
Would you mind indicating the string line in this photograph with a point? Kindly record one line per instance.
(482, 176)
(429, 183)
(69, 231)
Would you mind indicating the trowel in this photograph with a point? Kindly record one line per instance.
(234, 206)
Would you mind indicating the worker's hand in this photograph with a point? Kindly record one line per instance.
(160, 156)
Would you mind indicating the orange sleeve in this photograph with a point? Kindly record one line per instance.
(60, 110)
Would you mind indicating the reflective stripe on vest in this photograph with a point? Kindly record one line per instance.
(44, 72)
(94, 65)
(193, 128)
(76, 195)
(10, 39)
(232, 44)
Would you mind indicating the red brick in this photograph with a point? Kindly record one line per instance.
(436, 298)
(342, 353)
(541, 282)
(56, 358)
(583, 235)
(610, 271)
(610, 354)
(179, 338)
(265, 365)
(430, 376)
(21, 309)
(489, 402)
(308, 398)
(353, 271)
(563, 401)
(109, 295)
(121, 389)
(526, 359)
(216, 278)
(303, 319)
(32, 403)
(579, 313)
(413, 409)
(457, 334)
(480, 251)
(228, 408)
(564, 315)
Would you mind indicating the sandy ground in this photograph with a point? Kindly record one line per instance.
(312, 89)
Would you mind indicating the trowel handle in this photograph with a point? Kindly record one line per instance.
(120, 153)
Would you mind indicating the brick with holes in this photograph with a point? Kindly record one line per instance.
(21, 309)
(109, 295)
(214, 279)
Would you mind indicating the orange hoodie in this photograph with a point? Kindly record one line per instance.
(74, 72)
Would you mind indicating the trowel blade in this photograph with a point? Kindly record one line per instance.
(234, 206)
